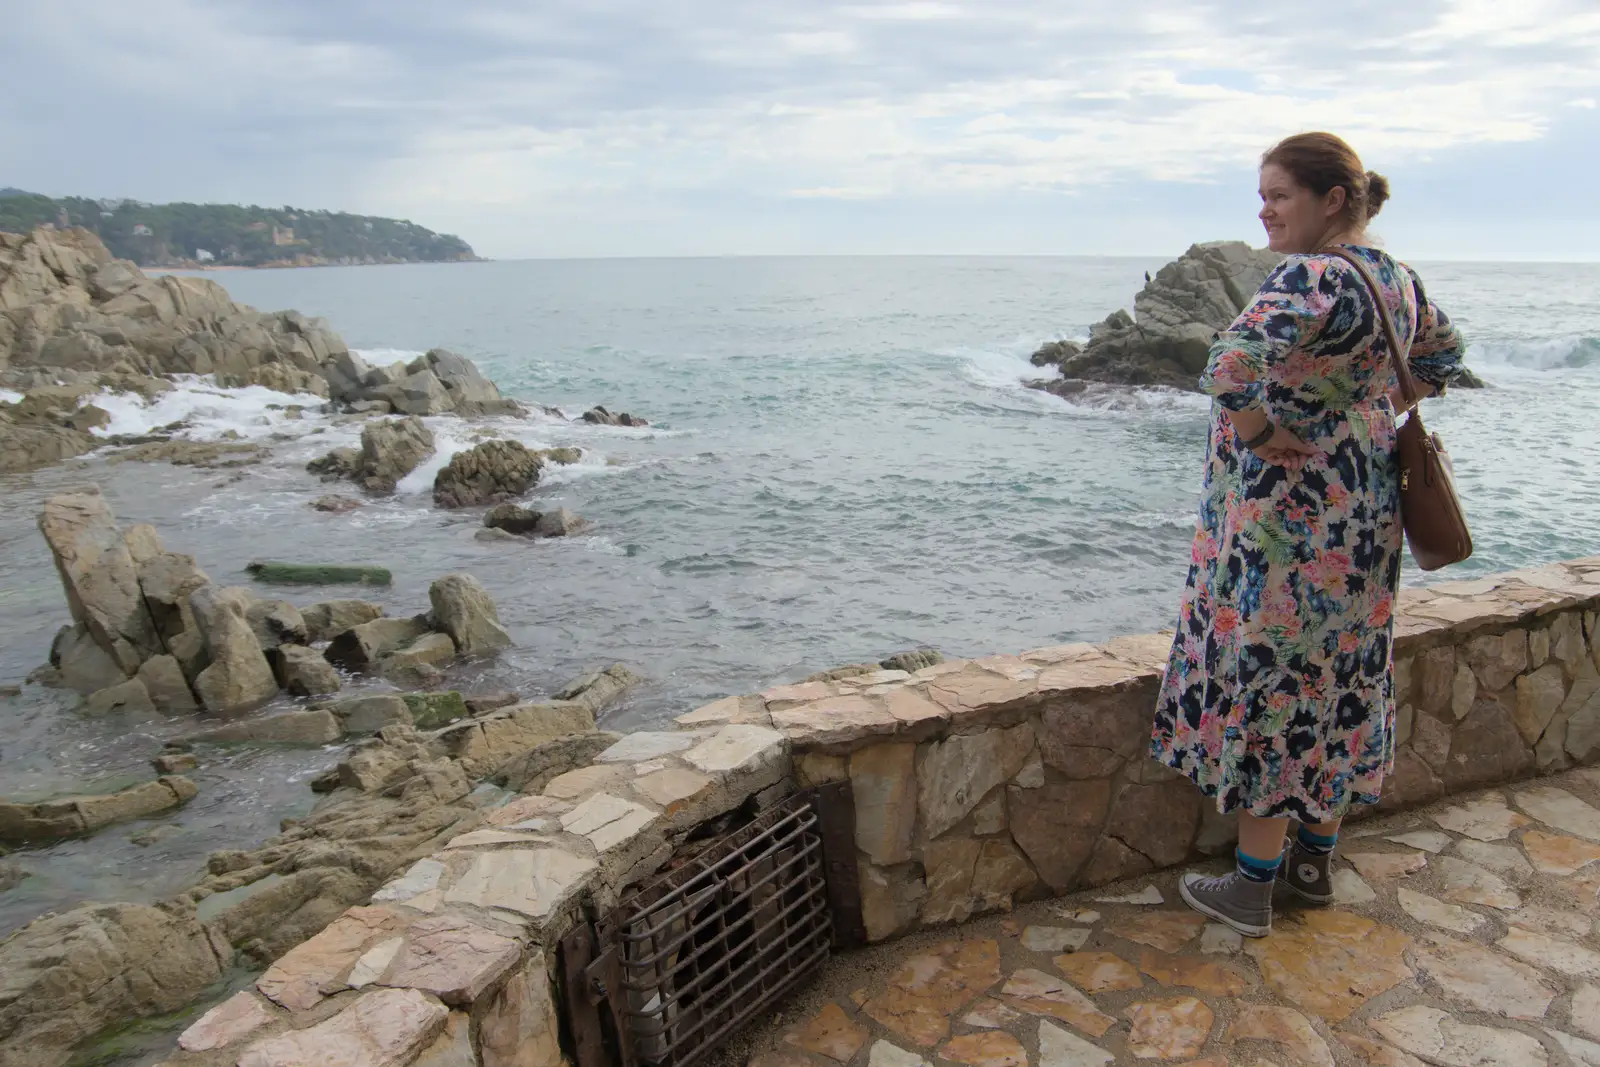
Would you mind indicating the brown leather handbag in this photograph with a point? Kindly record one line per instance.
(1430, 510)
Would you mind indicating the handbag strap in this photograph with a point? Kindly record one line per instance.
(1398, 355)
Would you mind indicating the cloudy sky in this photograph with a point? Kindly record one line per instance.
(672, 127)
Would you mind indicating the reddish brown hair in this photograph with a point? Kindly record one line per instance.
(1322, 162)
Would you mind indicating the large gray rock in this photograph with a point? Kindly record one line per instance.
(85, 667)
(363, 647)
(1176, 317)
(303, 672)
(276, 622)
(489, 473)
(419, 393)
(66, 977)
(328, 618)
(167, 581)
(463, 609)
(99, 576)
(471, 394)
(238, 675)
(390, 450)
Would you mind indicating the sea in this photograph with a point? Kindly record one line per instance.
(842, 462)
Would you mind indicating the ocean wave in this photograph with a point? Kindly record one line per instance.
(210, 412)
(1555, 353)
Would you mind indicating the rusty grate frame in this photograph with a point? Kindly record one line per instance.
(700, 949)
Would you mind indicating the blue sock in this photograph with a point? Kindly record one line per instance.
(1258, 870)
(1316, 844)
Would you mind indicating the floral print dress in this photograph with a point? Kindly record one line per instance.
(1277, 698)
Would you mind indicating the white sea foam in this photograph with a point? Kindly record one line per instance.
(1555, 353)
(8, 397)
(383, 357)
(209, 411)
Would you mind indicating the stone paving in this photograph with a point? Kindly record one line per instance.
(1465, 935)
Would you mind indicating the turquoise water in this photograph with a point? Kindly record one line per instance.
(842, 463)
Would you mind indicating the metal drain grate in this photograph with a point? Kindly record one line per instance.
(701, 949)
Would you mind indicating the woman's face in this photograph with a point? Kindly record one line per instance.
(1296, 218)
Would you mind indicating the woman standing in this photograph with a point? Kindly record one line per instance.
(1278, 699)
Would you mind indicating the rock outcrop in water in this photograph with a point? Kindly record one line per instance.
(74, 318)
(151, 632)
(1176, 317)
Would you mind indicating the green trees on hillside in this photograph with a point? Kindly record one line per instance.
(155, 235)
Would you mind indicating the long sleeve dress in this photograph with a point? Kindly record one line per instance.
(1278, 697)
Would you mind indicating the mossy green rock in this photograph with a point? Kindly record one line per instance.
(430, 710)
(318, 574)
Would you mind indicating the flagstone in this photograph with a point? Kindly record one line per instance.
(1192, 972)
(1481, 979)
(991, 1049)
(1557, 854)
(234, 1019)
(884, 1054)
(778, 1057)
(1467, 883)
(1166, 930)
(1078, 915)
(1219, 940)
(1585, 1011)
(1099, 972)
(932, 986)
(1376, 1054)
(1382, 866)
(1583, 1053)
(1426, 909)
(1058, 1048)
(1054, 938)
(1556, 922)
(1485, 818)
(1583, 889)
(1426, 840)
(1350, 890)
(1560, 809)
(830, 1033)
(1556, 954)
(1282, 1026)
(1436, 1037)
(1330, 962)
(1039, 994)
(1168, 1029)
(1502, 858)
(992, 1015)
(1147, 896)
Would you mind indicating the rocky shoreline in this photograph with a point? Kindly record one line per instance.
(1176, 317)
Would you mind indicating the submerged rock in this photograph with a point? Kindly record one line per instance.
(390, 450)
(74, 816)
(599, 416)
(335, 504)
(277, 573)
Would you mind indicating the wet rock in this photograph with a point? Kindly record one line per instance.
(338, 464)
(369, 714)
(73, 816)
(66, 977)
(490, 473)
(363, 647)
(559, 523)
(429, 650)
(285, 728)
(390, 450)
(512, 518)
(303, 672)
(430, 710)
(276, 622)
(126, 697)
(470, 393)
(175, 762)
(99, 576)
(599, 416)
(531, 771)
(163, 679)
(167, 582)
(419, 393)
(84, 666)
(280, 573)
(463, 609)
(479, 703)
(496, 536)
(330, 617)
(335, 504)
(600, 689)
(238, 676)
(913, 661)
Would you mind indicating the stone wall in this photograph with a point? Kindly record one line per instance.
(977, 783)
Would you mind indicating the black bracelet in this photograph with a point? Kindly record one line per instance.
(1261, 438)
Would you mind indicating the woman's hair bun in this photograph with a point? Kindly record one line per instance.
(1377, 192)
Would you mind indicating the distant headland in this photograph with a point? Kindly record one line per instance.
(229, 235)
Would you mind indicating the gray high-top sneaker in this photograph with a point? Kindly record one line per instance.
(1309, 875)
(1232, 899)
